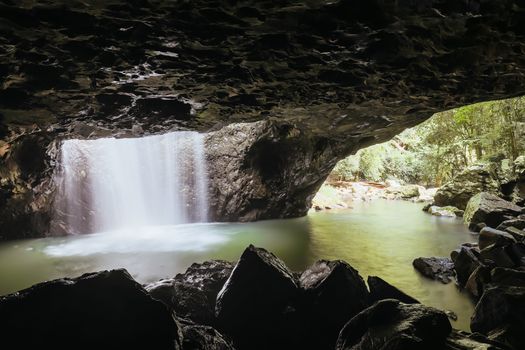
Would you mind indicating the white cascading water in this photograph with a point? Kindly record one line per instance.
(112, 184)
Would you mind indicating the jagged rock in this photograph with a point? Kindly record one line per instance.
(500, 314)
(466, 260)
(192, 294)
(253, 301)
(380, 289)
(198, 337)
(390, 324)
(333, 292)
(489, 236)
(441, 269)
(465, 185)
(489, 209)
(96, 310)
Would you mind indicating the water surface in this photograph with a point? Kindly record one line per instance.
(377, 238)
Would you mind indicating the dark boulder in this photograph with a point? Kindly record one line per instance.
(199, 337)
(489, 209)
(518, 223)
(501, 276)
(334, 292)
(500, 313)
(477, 281)
(252, 303)
(519, 235)
(466, 260)
(105, 309)
(380, 289)
(502, 256)
(390, 324)
(440, 269)
(460, 340)
(192, 294)
(489, 236)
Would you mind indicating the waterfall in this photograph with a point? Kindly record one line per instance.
(110, 184)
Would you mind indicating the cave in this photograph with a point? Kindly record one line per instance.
(168, 171)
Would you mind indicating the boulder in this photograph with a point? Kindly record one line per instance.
(390, 324)
(199, 337)
(460, 340)
(106, 309)
(502, 256)
(404, 192)
(469, 182)
(477, 281)
(489, 209)
(253, 301)
(518, 223)
(501, 276)
(333, 293)
(489, 236)
(500, 313)
(519, 235)
(380, 289)
(440, 269)
(466, 260)
(192, 294)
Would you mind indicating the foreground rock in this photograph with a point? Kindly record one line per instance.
(199, 337)
(333, 292)
(441, 269)
(485, 209)
(500, 314)
(252, 303)
(97, 310)
(380, 290)
(489, 236)
(466, 260)
(192, 294)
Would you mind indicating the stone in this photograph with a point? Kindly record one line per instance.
(252, 303)
(477, 281)
(380, 289)
(440, 269)
(496, 256)
(466, 260)
(500, 308)
(404, 191)
(390, 324)
(333, 293)
(519, 235)
(516, 223)
(461, 340)
(489, 236)
(96, 310)
(501, 276)
(445, 211)
(466, 184)
(192, 294)
(199, 337)
(489, 209)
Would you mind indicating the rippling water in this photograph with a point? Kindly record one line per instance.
(378, 238)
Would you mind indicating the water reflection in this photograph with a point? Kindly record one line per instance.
(378, 238)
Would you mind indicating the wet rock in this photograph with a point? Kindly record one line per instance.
(519, 235)
(380, 289)
(445, 211)
(497, 256)
(440, 269)
(192, 294)
(516, 223)
(199, 337)
(252, 303)
(102, 309)
(390, 324)
(333, 293)
(500, 314)
(466, 260)
(489, 209)
(465, 185)
(477, 281)
(489, 236)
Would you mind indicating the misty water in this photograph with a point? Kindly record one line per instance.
(377, 238)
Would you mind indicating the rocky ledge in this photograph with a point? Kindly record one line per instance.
(325, 77)
(255, 304)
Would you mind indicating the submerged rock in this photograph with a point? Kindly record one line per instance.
(390, 324)
(441, 269)
(490, 210)
(105, 309)
(380, 289)
(333, 293)
(253, 301)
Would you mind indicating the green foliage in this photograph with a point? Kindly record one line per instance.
(433, 152)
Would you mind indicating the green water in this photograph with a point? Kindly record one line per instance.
(377, 238)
